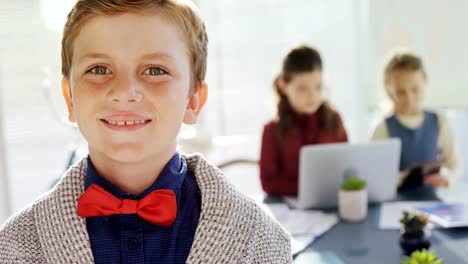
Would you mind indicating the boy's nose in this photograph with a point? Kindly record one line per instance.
(126, 90)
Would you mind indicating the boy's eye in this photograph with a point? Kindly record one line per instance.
(99, 70)
(154, 71)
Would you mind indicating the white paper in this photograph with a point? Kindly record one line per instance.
(392, 212)
(299, 243)
(302, 222)
(303, 225)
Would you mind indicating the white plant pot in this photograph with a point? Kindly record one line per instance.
(352, 205)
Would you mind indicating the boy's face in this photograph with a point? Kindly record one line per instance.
(407, 89)
(130, 82)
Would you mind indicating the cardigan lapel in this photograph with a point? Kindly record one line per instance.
(222, 218)
(63, 234)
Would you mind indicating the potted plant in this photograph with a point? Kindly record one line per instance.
(414, 235)
(422, 257)
(352, 200)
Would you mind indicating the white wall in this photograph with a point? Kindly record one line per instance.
(434, 29)
(37, 144)
(4, 186)
(459, 120)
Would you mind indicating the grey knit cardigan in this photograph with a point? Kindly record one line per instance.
(231, 229)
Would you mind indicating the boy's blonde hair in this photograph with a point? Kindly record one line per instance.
(183, 14)
(402, 60)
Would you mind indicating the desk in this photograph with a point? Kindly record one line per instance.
(364, 243)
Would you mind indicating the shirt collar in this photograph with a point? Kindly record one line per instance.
(171, 177)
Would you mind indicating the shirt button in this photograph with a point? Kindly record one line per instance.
(133, 243)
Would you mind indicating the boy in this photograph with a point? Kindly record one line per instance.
(426, 136)
(133, 71)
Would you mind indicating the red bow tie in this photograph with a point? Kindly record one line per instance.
(158, 207)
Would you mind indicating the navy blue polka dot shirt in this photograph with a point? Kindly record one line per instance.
(129, 238)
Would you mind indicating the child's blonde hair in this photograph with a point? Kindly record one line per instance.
(183, 14)
(401, 59)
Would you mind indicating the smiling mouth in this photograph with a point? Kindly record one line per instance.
(126, 122)
(125, 125)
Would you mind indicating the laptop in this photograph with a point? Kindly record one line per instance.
(322, 169)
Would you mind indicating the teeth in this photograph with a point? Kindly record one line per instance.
(126, 123)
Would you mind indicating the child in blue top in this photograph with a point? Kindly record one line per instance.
(426, 136)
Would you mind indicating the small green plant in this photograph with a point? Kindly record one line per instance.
(412, 221)
(353, 184)
(422, 257)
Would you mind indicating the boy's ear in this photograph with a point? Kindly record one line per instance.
(68, 99)
(195, 104)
